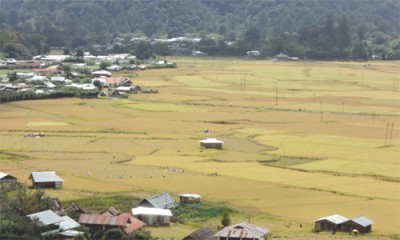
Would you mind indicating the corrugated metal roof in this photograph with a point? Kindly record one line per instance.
(337, 219)
(47, 217)
(97, 219)
(162, 200)
(134, 225)
(126, 221)
(68, 223)
(211, 140)
(151, 211)
(203, 233)
(45, 177)
(4, 175)
(242, 230)
(363, 221)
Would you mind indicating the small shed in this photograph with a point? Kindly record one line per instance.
(359, 224)
(189, 198)
(204, 233)
(46, 180)
(330, 224)
(7, 178)
(153, 216)
(162, 200)
(211, 143)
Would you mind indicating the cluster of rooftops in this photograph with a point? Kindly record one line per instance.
(156, 211)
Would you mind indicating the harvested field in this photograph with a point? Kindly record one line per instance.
(302, 140)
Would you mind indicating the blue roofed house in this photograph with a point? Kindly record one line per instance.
(45, 180)
(52, 224)
(330, 223)
(162, 200)
(359, 224)
(155, 210)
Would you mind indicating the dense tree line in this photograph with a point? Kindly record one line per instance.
(309, 28)
(30, 95)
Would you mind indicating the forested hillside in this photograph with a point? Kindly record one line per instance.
(296, 27)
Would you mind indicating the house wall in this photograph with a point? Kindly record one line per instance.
(8, 179)
(211, 145)
(155, 220)
(326, 226)
(349, 227)
(188, 200)
(47, 185)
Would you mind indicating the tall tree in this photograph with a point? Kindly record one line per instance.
(329, 33)
(343, 33)
(252, 37)
(143, 50)
(161, 49)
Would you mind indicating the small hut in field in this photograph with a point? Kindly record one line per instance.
(360, 225)
(189, 198)
(45, 180)
(211, 143)
(7, 178)
(330, 223)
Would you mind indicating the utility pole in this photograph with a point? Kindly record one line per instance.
(386, 133)
(276, 93)
(320, 107)
(391, 133)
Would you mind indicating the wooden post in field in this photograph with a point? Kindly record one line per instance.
(320, 107)
(386, 133)
(391, 133)
(276, 93)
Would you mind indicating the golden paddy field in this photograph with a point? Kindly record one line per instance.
(302, 140)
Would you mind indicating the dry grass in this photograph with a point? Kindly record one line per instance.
(348, 170)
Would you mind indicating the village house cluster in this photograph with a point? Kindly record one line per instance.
(155, 210)
(50, 73)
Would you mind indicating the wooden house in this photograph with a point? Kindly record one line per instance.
(45, 180)
(357, 225)
(330, 223)
(6, 178)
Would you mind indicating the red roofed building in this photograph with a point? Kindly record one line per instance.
(45, 71)
(115, 82)
(107, 221)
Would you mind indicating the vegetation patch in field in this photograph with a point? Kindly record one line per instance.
(99, 203)
(285, 161)
(11, 156)
(199, 212)
(221, 122)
